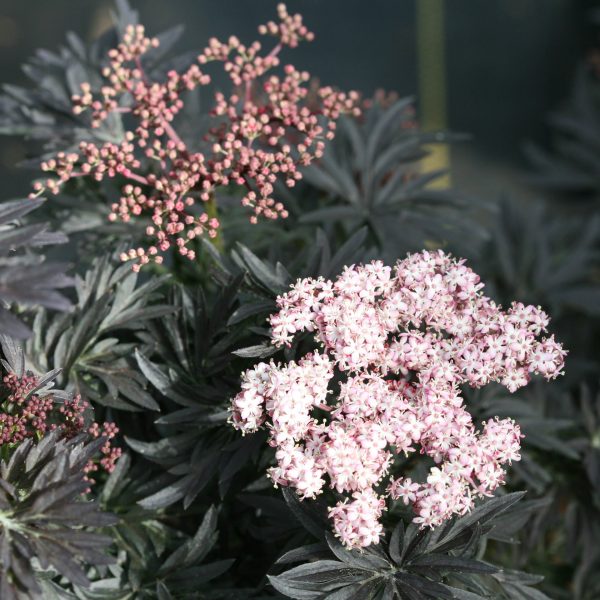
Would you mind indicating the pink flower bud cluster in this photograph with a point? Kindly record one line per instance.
(396, 346)
(26, 414)
(267, 130)
(110, 453)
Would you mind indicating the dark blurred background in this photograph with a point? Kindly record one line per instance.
(493, 69)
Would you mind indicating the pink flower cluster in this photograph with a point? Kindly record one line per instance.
(397, 344)
(26, 414)
(268, 128)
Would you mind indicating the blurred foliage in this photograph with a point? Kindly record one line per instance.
(371, 176)
(571, 166)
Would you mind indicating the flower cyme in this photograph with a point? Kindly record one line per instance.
(264, 131)
(400, 343)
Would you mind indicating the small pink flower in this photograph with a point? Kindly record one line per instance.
(403, 342)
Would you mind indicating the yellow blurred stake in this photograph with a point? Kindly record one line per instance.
(432, 84)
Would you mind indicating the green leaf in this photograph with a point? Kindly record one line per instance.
(258, 351)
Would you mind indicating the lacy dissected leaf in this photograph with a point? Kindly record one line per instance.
(265, 279)
(138, 532)
(413, 564)
(371, 173)
(174, 569)
(190, 366)
(26, 279)
(543, 259)
(571, 165)
(94, 344)
(575, 492)
(46, 524)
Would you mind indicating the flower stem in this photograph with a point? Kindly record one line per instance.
(213, 212)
